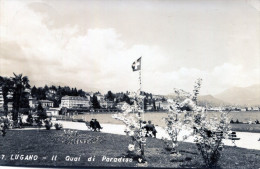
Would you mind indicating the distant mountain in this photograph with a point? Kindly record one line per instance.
(204, 100)
(244, 96)
(210, 101)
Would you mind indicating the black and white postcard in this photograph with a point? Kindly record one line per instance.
(123, 83)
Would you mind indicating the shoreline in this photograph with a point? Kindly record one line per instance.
(247, 140)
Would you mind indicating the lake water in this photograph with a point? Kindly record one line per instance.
(157, 117)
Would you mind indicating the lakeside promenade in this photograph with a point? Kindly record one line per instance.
(247, 140)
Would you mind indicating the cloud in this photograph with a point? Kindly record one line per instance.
(100, 58)
(215, 81)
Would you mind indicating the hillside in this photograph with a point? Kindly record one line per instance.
(204, 100)
(244, 96)
(210, 101)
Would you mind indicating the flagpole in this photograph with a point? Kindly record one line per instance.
(140, 82)
(140, 121)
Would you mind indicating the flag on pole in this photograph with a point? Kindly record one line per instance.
(137, 65)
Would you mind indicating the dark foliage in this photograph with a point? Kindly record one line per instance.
(95, 102)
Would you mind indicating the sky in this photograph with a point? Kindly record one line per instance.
(92, 44)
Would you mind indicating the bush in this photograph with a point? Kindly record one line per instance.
(48, 124)
(208, 132)
(209, 137)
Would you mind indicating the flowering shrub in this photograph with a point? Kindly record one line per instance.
(208, 132)
(179, 117)
(131, 117)
(209, 135)
(131, 147)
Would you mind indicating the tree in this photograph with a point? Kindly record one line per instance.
(40, 111)
(145, 103)
(126, 99)
(46, 88)
(34, 91)
(95, 102)
(53, 88)
(154, 106)
(110, 96)
(81, 93)
(20, 84)
(40, 94)
(134, 128)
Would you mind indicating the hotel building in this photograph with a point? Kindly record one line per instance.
(74, 102)
(1, 99)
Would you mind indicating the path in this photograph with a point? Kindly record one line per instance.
(247, 140)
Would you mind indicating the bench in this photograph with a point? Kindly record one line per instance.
(219, 134)
(233, 137)
(93, 126)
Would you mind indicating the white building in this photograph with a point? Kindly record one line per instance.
(106, 104)
(74, 102)
(10, 95)
(100, 97)
(149, 107)
(10, 106)
(120, 105)
(87, 96)
(165, 105)
(157, 97)
(249, 109)
(53, 112)
(46, 103)
(33, 103)
(1, 99)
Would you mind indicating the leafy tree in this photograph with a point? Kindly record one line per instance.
(145, 104)
(163, 99)
(53, 88)
(34, 91)
(46, 88)
(110, 96)
(126, 99)
(40, 94)
(95, 102)
(25, 100)
(154, 106)
(81, 93)
(41, 112)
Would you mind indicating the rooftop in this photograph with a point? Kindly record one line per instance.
(73, 98)
(45, 101)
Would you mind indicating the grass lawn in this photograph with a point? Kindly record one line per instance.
(245, 127)
(87, 144)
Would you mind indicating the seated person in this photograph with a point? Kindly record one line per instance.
(91, 123)
(142, 123)
(150, 129)
(94, 124)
